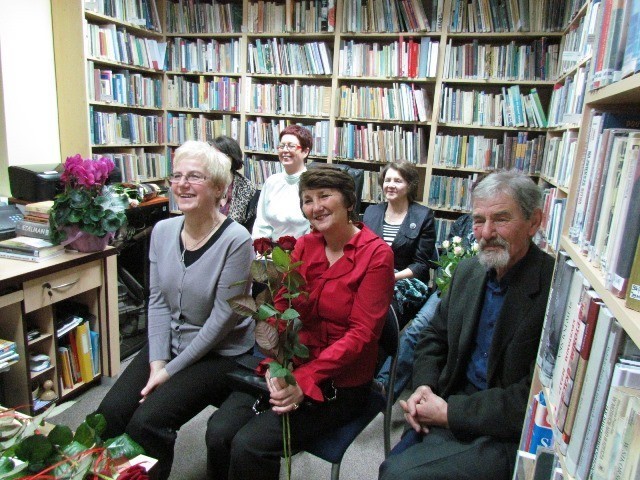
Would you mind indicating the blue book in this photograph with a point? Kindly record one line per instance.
(95, 351)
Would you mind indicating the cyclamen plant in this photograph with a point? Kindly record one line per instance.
(86, 203)
(453, 254)
(274, 268)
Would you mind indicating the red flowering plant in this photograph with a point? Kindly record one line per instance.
(27, 453)
(275, 269)
(86, 205)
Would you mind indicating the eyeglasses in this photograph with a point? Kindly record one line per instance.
(288, 146)
(193, 178)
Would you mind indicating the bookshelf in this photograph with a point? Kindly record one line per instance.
(617, 102)
(373, 86)
(32, 293)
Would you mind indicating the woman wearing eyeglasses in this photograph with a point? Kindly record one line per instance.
(197, 262)
(278, 208)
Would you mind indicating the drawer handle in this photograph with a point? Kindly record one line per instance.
(58, 287)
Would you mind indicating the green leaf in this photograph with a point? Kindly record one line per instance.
(265, 311)
(290, 379)
(85, 435)
(278, 371)
(300, 350)
(123, 446)
(294, 281)
(97, 422)
(61, 435)
(290, 314)
(281, 259)
(34, 450)
(259, 271)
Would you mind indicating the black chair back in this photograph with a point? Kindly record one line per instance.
(356, 173)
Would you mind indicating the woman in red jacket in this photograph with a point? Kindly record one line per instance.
(349, 274)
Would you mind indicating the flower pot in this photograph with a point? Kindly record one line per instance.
(85, 242)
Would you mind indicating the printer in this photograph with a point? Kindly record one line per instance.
(35, 183)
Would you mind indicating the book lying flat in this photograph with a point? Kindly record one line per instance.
(38, 247)
(29, 258)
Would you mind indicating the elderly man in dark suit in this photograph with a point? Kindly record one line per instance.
(475, 360)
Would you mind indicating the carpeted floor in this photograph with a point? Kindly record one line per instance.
(361, 461)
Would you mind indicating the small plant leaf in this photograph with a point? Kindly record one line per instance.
(97, 422)
(266, 311)
(243, 305)
(61, 435)
(281, 259)
(266, 336)
(290, 314)
(85, 435)
(34, 450)
(300, 350)
(123, 446)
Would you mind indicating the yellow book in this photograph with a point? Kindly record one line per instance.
(64, 367)
(83, 342)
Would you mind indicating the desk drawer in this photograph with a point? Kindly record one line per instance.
(58, 286)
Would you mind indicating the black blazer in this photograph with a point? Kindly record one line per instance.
(415, 242)
(444, 350)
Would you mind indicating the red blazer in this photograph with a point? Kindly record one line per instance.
(343, 316)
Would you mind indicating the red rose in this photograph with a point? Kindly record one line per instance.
(287, 242)
(262, 245)
(135, 472)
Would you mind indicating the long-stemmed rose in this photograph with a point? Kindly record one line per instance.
(276, 332)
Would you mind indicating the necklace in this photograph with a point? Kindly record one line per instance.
(197, 244)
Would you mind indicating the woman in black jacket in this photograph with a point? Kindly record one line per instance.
(404, 224)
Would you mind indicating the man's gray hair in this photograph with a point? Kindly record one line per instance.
(513, 183)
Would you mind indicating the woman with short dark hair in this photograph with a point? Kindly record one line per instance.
(278, 213)
(349, 279)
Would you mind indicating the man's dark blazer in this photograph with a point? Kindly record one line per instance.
(415, 242)
(445, 349)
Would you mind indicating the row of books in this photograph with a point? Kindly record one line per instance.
(375, 143)
(303, 16)
(385, 16)
(184, 16)
(142, 13)
(264, 134)
(567, 99)
(289, 98)
(442, 227)
(203, 55)
(403, 102)
(401, 58)
(78, 355)
(484, 153)
(258, 170)
(277, 57)
(473, 61)
(123, 88)
(139, 166)
(8, 354)
(110, 128)
(559, 158)
(584, 358)
(616, 50)
(511, 108)
(371, 190)
(208, 93)
(484, 16)
(577, 43)
(186, 126)
(116, 44)
(606, 225)
(453, 193)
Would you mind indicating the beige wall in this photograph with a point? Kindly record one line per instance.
(28, 104)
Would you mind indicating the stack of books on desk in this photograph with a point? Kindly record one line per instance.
(8, 354)
(36, 220)
(29, 248)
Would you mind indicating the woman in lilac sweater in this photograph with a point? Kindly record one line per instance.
(197, 262)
